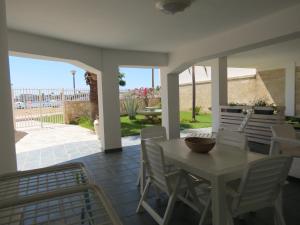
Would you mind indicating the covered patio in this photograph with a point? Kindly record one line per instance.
(101, 36)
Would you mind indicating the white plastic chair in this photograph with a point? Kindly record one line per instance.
(232, 126)
(259, 188)
(174, 184)
(232, 138)
(156, 133)
(285, 141)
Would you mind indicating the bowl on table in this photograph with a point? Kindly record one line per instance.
(200, 145)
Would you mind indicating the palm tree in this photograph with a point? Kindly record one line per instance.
(193, 93)
(91, 80)
(153, 78)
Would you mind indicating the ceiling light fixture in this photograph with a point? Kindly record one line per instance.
(173, 6)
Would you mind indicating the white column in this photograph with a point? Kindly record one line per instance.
(170, 104)
(290, 89)
(109, 108)
(218, 89)
(8, 162)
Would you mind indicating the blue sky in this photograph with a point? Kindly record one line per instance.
(33, 73)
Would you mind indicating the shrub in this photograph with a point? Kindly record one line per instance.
(261, 102)
(236, 104)
(86, 122)
(198, 110)
(131, 106)
(83, 121)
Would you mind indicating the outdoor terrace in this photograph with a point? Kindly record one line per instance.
(117, 173)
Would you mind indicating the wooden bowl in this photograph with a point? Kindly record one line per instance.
(200, 145)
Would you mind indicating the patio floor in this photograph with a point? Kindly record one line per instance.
(117, 172)
(61, 143)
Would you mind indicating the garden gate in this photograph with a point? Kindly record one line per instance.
(43, 107)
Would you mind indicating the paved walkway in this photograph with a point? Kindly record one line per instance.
(50, 146)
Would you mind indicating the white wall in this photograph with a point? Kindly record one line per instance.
(35, 46)
(8, 162)
(103, 62)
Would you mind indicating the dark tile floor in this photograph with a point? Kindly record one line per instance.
(117, 173)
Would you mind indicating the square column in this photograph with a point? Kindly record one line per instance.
(219, 90)
(109, 108)
(290, 89)
(170, 104)
(8, 162)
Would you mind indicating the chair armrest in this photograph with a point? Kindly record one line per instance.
(289, 141)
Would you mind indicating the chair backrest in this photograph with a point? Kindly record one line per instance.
(283, 130)
(155, 163)
(232, 138)
(261, 183)
(155, 132)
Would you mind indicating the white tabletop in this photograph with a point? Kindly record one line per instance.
(221, 164)
(221, 160)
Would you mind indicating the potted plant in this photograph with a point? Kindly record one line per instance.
(262, 107)
(235, 107)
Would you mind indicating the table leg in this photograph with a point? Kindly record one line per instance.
(219, 206)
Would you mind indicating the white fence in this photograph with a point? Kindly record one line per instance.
(43, 107)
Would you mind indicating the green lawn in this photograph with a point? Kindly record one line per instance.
(202, 120)
(133, 127)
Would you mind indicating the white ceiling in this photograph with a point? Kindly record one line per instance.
(273, 56)
(134, 24)
(269, 57)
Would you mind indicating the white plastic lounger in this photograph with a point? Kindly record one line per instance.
(81, 205)
(28, 183)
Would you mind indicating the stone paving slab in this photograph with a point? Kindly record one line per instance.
(49, 146)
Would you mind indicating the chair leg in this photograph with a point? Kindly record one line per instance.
(278, 215)
(139, 178)
(171, 202)
(144, 195)
(205, 211)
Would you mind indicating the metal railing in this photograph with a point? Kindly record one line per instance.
(43, 107)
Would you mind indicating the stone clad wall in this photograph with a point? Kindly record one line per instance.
(75, 109)
(265, 84)
(242, 90)
(270, 85)
(203, 96)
